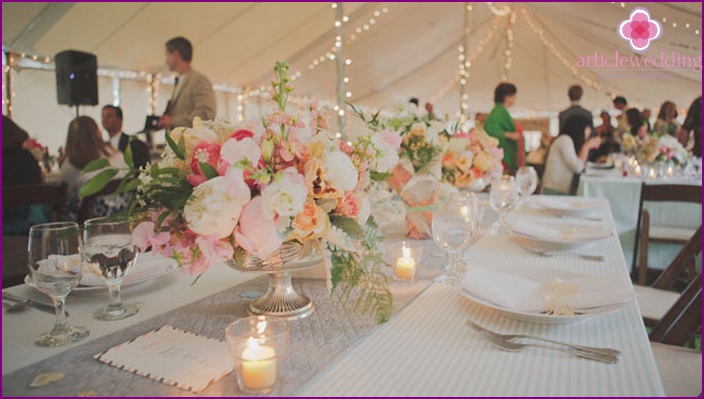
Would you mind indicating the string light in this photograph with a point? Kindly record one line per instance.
(462, 58)
(553, 49)
(508, 46)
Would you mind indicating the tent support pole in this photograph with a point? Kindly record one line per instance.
(340, 62)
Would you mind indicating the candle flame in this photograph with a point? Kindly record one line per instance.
(261, 326)
(406, 251)
(252, 343)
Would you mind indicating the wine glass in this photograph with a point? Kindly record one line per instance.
(54, 269)
(527, 180)
(504, 198)
(110, 255)
(454, 224)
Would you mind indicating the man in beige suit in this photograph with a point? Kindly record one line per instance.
(193, 95)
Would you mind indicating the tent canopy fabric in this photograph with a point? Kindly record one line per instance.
(409, 51)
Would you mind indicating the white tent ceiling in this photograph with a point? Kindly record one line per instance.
(411, 51)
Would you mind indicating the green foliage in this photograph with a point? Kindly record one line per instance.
(97, 183)
(358, 279)
(347, 225)
(178, 149)
(98, 164)
(128, 153)
(208, 170)
(380, 176)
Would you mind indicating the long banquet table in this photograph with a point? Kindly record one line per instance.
(425, 349)
(623, 194)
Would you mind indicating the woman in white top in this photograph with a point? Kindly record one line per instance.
(567, 155)
(84, 144)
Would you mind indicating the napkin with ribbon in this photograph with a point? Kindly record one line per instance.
(576, 232)
(556, 295)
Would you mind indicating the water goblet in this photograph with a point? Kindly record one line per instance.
(504, 198)
(55, 268)
(110, 255)
(454, 224)
(527, 180)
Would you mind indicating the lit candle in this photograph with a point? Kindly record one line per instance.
(670, 171)
(258, 366)
(406, 265)
(637, 170)
(465, 212)
(652, 174)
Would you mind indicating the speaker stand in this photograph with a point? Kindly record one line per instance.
(77, 115)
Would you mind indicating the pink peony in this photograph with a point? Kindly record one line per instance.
(240, 134)
(207, 153)
(144, 237)
(209, 252)
(257, 234)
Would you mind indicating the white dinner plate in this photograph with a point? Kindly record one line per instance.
(148, 267)
(557, 232)
(569, 206)
(544, 276)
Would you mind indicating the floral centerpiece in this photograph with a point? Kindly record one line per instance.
(417, 177)
(650, 150)
(472, 160)
(223, 191)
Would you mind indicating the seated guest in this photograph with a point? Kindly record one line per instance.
(567, 156)
(575, 94)
(666, 123)
(606, 127)
(608, 146)
(112, 123)
(638, 128)
(19, 167)
(646, 118)
(691, 134)
(84, 144)
(499, 125)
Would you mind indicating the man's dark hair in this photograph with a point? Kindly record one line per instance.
(575, 93)
(414, 100)
(183, 46)
(504, 90)
(620, 100)
(118, 110)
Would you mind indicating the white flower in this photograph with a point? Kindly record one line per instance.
(234, 151)
(340, 171)
(192, 137)
(432, 134)
(387, 157)
(215, 206)
(285, 197)
(669, 142)
(364, 212)
(458, 144)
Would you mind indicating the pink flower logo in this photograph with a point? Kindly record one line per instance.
(639, 29)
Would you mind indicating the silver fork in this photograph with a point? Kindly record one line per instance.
(511, 337)
(517, 347)
(547, 253)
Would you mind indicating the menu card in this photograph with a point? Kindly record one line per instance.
(171, 356)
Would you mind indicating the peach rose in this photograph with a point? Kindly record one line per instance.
(309, 224)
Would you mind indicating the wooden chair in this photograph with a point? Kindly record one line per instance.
(14, 247)
(86, 211)
(656, 301)
(647, 233)
(680, 367)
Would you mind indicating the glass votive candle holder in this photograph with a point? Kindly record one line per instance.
(258, 346)
(405, 259)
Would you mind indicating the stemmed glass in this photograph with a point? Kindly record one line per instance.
(55, 268)
(504, 198)
(110, 255)
(454, 225)
(527, 180)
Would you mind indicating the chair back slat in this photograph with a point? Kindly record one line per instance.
(682, 262)
(684, 318)
(671, 192)
(51, 194)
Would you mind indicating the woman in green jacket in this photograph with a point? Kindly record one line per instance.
(500, 125)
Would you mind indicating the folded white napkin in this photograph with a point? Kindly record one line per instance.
(554, 203)
(524, 295)
(562, 232)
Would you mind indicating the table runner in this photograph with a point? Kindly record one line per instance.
(314, 342)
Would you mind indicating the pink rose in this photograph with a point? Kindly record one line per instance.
(210, 252)
(257, 234)
(144, 237)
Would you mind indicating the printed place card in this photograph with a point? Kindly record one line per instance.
(171, 356)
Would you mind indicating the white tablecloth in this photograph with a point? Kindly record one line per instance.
(427, 350)
(623, 194)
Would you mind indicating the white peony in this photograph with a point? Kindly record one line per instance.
(215, 206)
(234, 151)
(387, 157)
(432, 133)
(340, 171)
(285, 197)
(364, 211)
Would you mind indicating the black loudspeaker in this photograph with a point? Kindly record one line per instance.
(76, 78)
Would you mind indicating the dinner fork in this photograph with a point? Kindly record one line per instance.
(512, 337)
(517, 347)
(548, 253)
